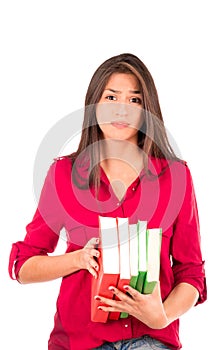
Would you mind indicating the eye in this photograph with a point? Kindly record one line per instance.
(135, 100)
(111, 98)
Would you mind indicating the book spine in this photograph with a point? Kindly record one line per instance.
(105, 281)
(149, 287)
(154, 237)
(140, 281)
(121, 283)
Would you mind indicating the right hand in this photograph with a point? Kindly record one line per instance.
(88, 255)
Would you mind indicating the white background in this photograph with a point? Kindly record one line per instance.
(49, 51)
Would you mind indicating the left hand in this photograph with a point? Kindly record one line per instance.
(148, 308)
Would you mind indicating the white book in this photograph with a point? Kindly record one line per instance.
(133, 232)
(154, 236)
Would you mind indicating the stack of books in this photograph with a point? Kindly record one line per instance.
(129, 255)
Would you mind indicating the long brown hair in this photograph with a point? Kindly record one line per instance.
(152, 137)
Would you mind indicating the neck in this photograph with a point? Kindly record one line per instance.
(119, 154)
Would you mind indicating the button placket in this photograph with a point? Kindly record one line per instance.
(127, 329)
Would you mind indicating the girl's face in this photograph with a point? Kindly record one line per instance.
(119, 111)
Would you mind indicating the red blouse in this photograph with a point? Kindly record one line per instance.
(166, 201)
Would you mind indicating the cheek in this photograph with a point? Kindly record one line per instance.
(104, 113)
(136, 119)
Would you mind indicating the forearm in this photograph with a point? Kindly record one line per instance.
(45, 268)
(149, 308)
(180, 300)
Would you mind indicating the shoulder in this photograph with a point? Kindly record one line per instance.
(60, 168)
(160, 166)
(62, 163)
(172, 172)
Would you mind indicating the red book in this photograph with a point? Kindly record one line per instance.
(108, 273)
(124, 260)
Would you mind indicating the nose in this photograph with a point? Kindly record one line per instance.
(121, 109)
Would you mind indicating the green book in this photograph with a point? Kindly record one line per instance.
(153, 242)
(142, 255)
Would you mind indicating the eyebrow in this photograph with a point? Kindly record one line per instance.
(119, 92)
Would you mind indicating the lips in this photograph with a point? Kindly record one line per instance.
(120, 125)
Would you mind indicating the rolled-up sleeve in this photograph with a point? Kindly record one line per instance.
(42, 233)
(188, 265)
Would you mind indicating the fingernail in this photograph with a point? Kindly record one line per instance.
(97, 240)
(97, 297)
(126, 287)
(100, 308)
(112, 289)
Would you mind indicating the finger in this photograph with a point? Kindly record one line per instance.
(92, 243)
(91, 255)
(93, 264)
(94, 252)
(121, 295)
(109, 309)
(110, 305)
(104, 300)
(92, 271)
(108, 302)
(132, 292)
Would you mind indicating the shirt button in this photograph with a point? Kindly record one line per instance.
(133, 188)
(117, 204)
(126, 325)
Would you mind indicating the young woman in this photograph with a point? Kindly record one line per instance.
(124, 167)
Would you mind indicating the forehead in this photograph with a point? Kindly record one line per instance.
(125, 80)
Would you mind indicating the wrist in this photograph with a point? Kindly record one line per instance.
(75, 260)
(158, 320)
